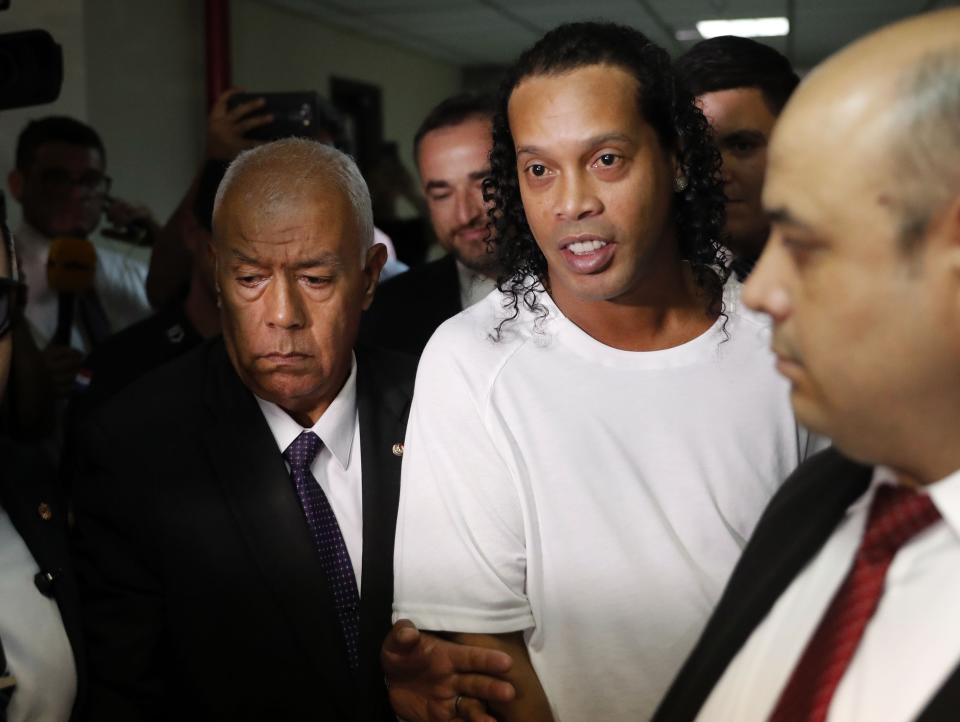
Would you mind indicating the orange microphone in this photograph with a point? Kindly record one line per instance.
(71, 267)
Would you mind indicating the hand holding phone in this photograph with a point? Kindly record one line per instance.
(292, 115)
(233, 116)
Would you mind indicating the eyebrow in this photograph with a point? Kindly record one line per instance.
(743, 134)
(474, 176)
(588, 143)
(330, 260)
(783, 216)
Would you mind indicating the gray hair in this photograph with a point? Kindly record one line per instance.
(926, 145)
(284, 168)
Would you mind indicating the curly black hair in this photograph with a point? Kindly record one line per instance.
(666, 105)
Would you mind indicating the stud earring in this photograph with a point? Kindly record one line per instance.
(680, 184)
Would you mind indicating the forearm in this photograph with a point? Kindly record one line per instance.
(170, 261)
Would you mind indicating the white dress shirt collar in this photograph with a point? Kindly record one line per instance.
(335, 427)
(944, 493)
(474, 287)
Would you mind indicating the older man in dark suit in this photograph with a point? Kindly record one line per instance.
(844, 604)
(236, 509)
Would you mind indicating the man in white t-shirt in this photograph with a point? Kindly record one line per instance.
(589, 449)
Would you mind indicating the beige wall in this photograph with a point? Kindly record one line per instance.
(134, 69)
(145, 94)
(276, 49)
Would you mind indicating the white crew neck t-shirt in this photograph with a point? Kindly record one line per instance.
(596, 498)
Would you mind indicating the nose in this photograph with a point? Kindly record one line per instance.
(469, 206)
(726, 165)
(285, 309)
(576, 198)
(766, 289)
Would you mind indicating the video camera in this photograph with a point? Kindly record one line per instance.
(31, 71)
(31, 67)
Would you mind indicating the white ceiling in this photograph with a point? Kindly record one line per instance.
(484, 32)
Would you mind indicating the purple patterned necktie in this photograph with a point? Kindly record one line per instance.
(327, 539)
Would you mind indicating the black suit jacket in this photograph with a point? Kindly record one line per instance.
(29, 494)
(408, 308)
(204, 597)
(793, 529)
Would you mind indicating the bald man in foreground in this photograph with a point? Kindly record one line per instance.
(844, 604)
(236, 508)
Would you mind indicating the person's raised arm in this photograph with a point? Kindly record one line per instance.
(170, 260)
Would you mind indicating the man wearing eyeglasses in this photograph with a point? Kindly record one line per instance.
(60, 183)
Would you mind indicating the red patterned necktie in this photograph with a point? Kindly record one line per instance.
(896, 516)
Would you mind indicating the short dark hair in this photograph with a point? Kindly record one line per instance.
(55, 129)
(454, 111)
(731, 62)
(698, 211)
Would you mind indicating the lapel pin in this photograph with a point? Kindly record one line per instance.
(397, 449)
(44, 511)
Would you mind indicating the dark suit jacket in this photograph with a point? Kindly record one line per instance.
(27, 481)
(794, 527)
(408, 308)
(204, 597)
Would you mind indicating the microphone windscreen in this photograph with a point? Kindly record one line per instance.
(71, 265)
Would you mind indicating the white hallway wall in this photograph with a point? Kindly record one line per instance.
(276, 49)
(134, 69)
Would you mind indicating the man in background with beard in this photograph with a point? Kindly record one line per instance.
(452, 148)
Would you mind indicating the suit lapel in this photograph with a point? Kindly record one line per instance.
(795, 526)
(448, 289)
(257, 488)
(943, 707)
(382, 410)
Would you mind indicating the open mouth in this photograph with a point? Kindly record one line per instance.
(587, 254)
(582, 248)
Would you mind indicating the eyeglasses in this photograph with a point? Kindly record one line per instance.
(61, 182)
(13, 297)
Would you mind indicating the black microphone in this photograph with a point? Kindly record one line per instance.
(71, 265)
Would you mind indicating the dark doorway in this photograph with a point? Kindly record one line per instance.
(361, 104)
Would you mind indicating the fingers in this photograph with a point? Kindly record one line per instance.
(478, 659)
(452, 710)
(483, 687)
(122, 213)
(400, 653)
(220, 105)
(227, 127)
(254, 121)
(242, 110)
(402, 637)
(471, 710)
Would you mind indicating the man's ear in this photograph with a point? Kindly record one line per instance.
(375, 261)
(15, 181)
(945, 232)
(215, 262)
